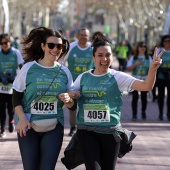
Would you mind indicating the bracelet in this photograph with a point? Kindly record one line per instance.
(71, 100)
(74, 107)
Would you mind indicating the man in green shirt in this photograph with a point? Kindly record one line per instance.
(79, 60)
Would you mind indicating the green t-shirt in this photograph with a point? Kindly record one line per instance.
(79, 59)
(122, 52)
(8, 69)
(164, 72)
(34, 80)
(100, 101)
(142, 70)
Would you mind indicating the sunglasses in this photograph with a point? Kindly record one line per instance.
(83, 35)
(52, 45)
(3, 43)
(143, 46)
(167, 41)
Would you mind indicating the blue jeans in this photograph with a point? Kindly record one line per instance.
(40, 151)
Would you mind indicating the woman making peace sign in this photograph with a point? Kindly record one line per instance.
(100, 102)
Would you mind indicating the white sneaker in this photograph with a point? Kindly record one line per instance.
(3, 134)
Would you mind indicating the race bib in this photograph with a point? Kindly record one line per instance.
(6, 89)
(46, 105)
(96, 113)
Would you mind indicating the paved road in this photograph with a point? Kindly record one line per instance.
(150, 148)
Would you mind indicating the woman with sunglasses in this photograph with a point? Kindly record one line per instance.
(10, 60)
(39, 95)
(163, 77)
(139, 65)
(100, 103)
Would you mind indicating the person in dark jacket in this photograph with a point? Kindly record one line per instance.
(163, 77)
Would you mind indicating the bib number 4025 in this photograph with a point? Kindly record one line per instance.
(44, 106)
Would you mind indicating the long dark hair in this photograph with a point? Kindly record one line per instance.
(32, 43)
(137, 51)
(163, 38)
(5, 36)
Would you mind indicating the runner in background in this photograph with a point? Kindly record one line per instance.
(139, 65)
(10, 60)
(122, 55)
(79, 60)
(163, 77)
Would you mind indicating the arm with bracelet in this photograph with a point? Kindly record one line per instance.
(68, 101)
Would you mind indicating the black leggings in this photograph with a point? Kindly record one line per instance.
(122, 64)
(162, 84)
(99, 151)
(135, 97)
(6, 102)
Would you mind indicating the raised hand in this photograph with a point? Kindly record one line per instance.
(156, 62)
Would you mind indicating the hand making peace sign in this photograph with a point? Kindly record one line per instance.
(147, 84)
(156, 62)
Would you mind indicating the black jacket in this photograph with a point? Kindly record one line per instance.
(73, 157)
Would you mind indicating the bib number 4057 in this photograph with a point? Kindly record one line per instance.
(96, 114)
